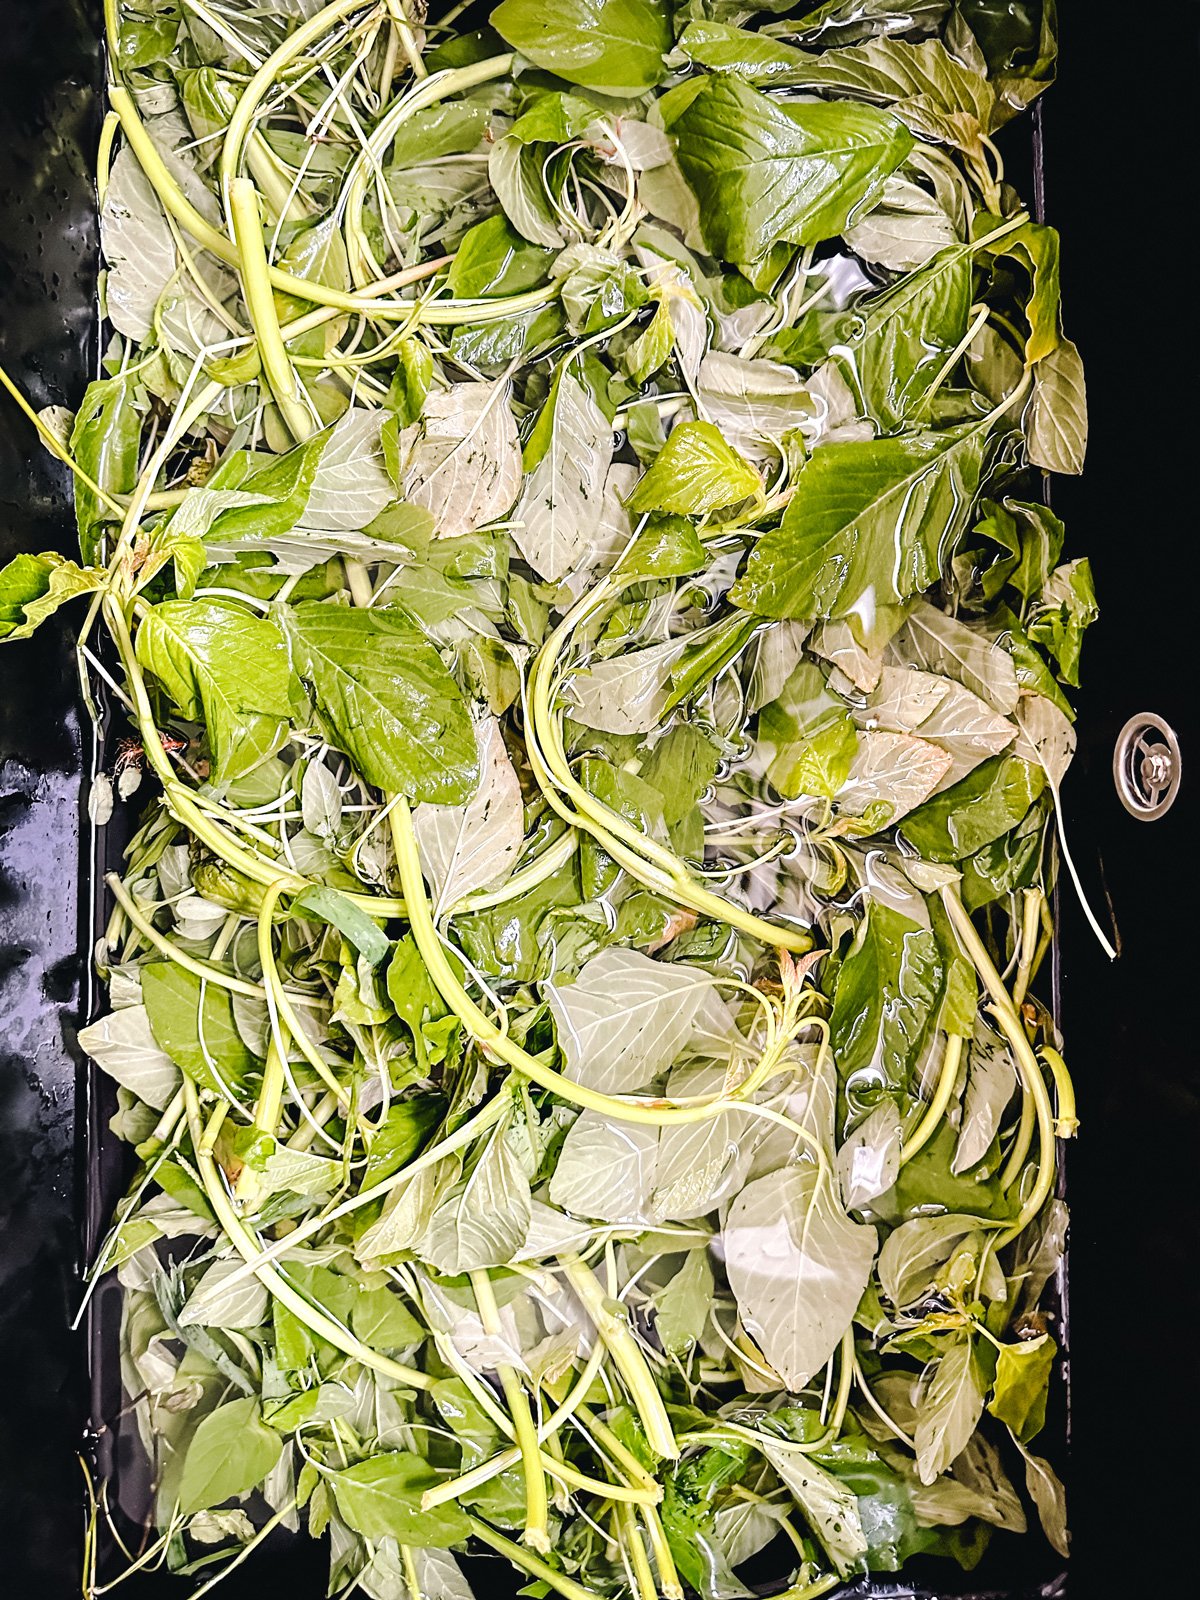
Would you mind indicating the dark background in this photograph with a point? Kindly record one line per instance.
(1120, 159)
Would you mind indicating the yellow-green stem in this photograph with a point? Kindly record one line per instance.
(936, 1110)
(536, 1525)
(528, 1562)
(492, 1037)
(1010, 1025)
(627, 1356)
(455, 1488)
(246, 220)
(273, 1281)
(635, 1550)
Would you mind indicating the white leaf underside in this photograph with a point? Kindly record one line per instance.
(465, 461)
(798, 1266)
(350, 486)
(476, 845)
(557, 515)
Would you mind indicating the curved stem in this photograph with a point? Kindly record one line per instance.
(260, 303)
(627, 1356)
(651, 863)
(465, 1134)
(204, 970)
(52, 443)
(1066, 1123)
(544, 865)
(273, 1281)
(1010, 1025)
(297, 43)
(269, 1105)
(415, 98)
(370, 301)
(936, 1110)
(493, 1038)
(536, 1527)
(456, 1488)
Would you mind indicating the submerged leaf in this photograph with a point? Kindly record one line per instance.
(765, 170)
(798, 1267)
(386, 698)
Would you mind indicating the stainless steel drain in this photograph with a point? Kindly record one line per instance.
(1147, 767)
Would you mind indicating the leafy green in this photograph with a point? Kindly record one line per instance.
(764, 170)
(105, 441)
(609, 659)
(381, 1499)
(886, 991)
(386, 698)
(695, 474)
(230, 1453)
(193, 1023)
(226, 668)
(974, 812)
(1019, 1391)
(615, 46)
(33, 587)
(869, 524)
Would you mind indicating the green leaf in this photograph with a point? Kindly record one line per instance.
(807, 736)
(363, 932)
(1035, 247)
(223, 666)
(897, 342)
(410, 381)
(764, 171)
(381, 1319)
(230, 1453)
(949, 1410)
(123, 1045)
(411, 991)
(381, 1499)
(1022, 1384)
(667, 547)
(280, 486)
(886, 994)
(483, 1221)
(970, 814)
(199, 1035)
(695, 473)
(105, 441)
(453, 128)
(33, 587)
(386, 699)
(681, 1308)
(831, 1508)
(475, 846)
(870, 522)
(625, 1018)
(915, 1255)
(402, 1133)
(1055, 419)
(615, 46)
(691, 1492)
(758, 58)
(1048, 1495)
(567, 459)
(1066, 609)
(493, 259)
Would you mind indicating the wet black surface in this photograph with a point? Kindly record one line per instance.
(48, 115)
(1135, 1301)
(1130, 1027)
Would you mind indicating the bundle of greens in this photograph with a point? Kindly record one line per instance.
(562, 522)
